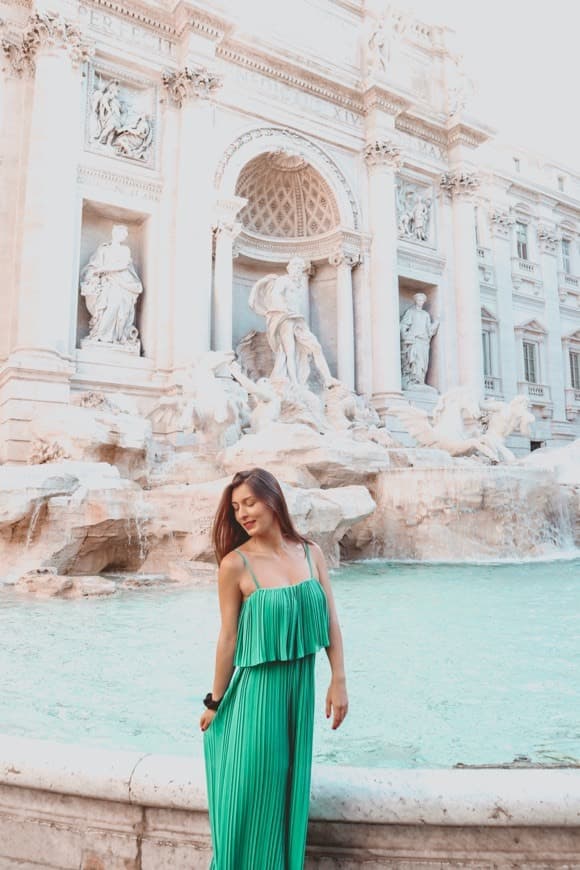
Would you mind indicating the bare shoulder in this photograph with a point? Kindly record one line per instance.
(319, 558)
(231, 568)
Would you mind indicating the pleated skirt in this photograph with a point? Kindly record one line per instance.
(258, 758)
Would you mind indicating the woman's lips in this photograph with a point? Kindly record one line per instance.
(250, 524)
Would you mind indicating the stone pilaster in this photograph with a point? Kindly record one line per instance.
(189, 96)
(501, 223)
(383, 157)
(227, 229)
(461, 185)
(44, 58)
(548, 246)
(344, 261)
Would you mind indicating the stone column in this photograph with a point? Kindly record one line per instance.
(190, 91)
(49, 231)
(344, 262)
(461, 185)
(501, 229)
(548, 245)
(382, 158)
(227, 229)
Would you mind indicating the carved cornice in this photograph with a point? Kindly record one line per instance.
(136, 11)
(384, 100)
(383, 152)
(199, 21)
(290, 74)
(422, 130)
(125, 184)
(318, 248)
(187, 83)
(460, 183)
(466, 134)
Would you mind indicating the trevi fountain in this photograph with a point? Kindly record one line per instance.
(224, 247)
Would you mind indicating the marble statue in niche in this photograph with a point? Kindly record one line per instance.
(275, 297)
(413, 213)
(117, 126)
(417, 330)
(111, 287)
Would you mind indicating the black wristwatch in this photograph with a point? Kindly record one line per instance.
(210, 703)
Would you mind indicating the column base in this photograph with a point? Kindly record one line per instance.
(30, 380)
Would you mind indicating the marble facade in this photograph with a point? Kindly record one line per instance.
(225, 151)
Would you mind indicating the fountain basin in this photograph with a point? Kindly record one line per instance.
(69, 807)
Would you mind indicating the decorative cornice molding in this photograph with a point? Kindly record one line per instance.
(383, 152)
(465, 134)
(200, 21)
(187, 83)
(136, 11)
(291, 75)
(125, 184)
(460, 183)
(422, 130)
(384, 100)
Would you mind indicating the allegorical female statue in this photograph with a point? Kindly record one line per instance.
(417, 330)
(111, 286)
(291, 341)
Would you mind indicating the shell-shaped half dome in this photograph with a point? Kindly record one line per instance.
(287, 197)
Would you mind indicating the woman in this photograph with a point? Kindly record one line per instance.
(277, 611)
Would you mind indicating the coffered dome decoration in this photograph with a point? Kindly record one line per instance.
(286, 197)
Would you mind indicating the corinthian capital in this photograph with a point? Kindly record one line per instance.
(342, 256)
(44, 31)
(460, 182)
(548, 239)
(186, 83)
(48, 31)
(383, 152)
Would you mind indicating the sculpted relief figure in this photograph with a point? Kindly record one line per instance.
(417, 330)
(293, 344)
(111, 286)
(112, 127)
(385, 39)
(413, 213)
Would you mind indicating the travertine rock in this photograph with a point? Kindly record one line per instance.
(46, 583)
(463, 513)
(302, 456)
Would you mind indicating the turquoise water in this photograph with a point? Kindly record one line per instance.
(445, 663)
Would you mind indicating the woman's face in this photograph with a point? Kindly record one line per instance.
(252, 514)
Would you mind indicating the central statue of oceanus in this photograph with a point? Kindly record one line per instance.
(291, 341)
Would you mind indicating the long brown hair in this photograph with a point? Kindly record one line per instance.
(227, 533)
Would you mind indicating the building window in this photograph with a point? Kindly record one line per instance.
(530, 362)
(575, 369)
(561, 183)
(517, 164)
(487, 358)
(566, 256)
(522, 240)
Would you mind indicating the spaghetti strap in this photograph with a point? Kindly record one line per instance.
(249, 567)
(307, 549)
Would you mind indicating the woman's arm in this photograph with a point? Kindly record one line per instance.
(230, 601)
(336, 697)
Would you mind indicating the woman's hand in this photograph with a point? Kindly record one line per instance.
(336, 702)
(206, 719)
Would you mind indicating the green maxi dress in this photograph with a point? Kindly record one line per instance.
(258, 748)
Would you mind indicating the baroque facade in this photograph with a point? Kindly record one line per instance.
(160, 158)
